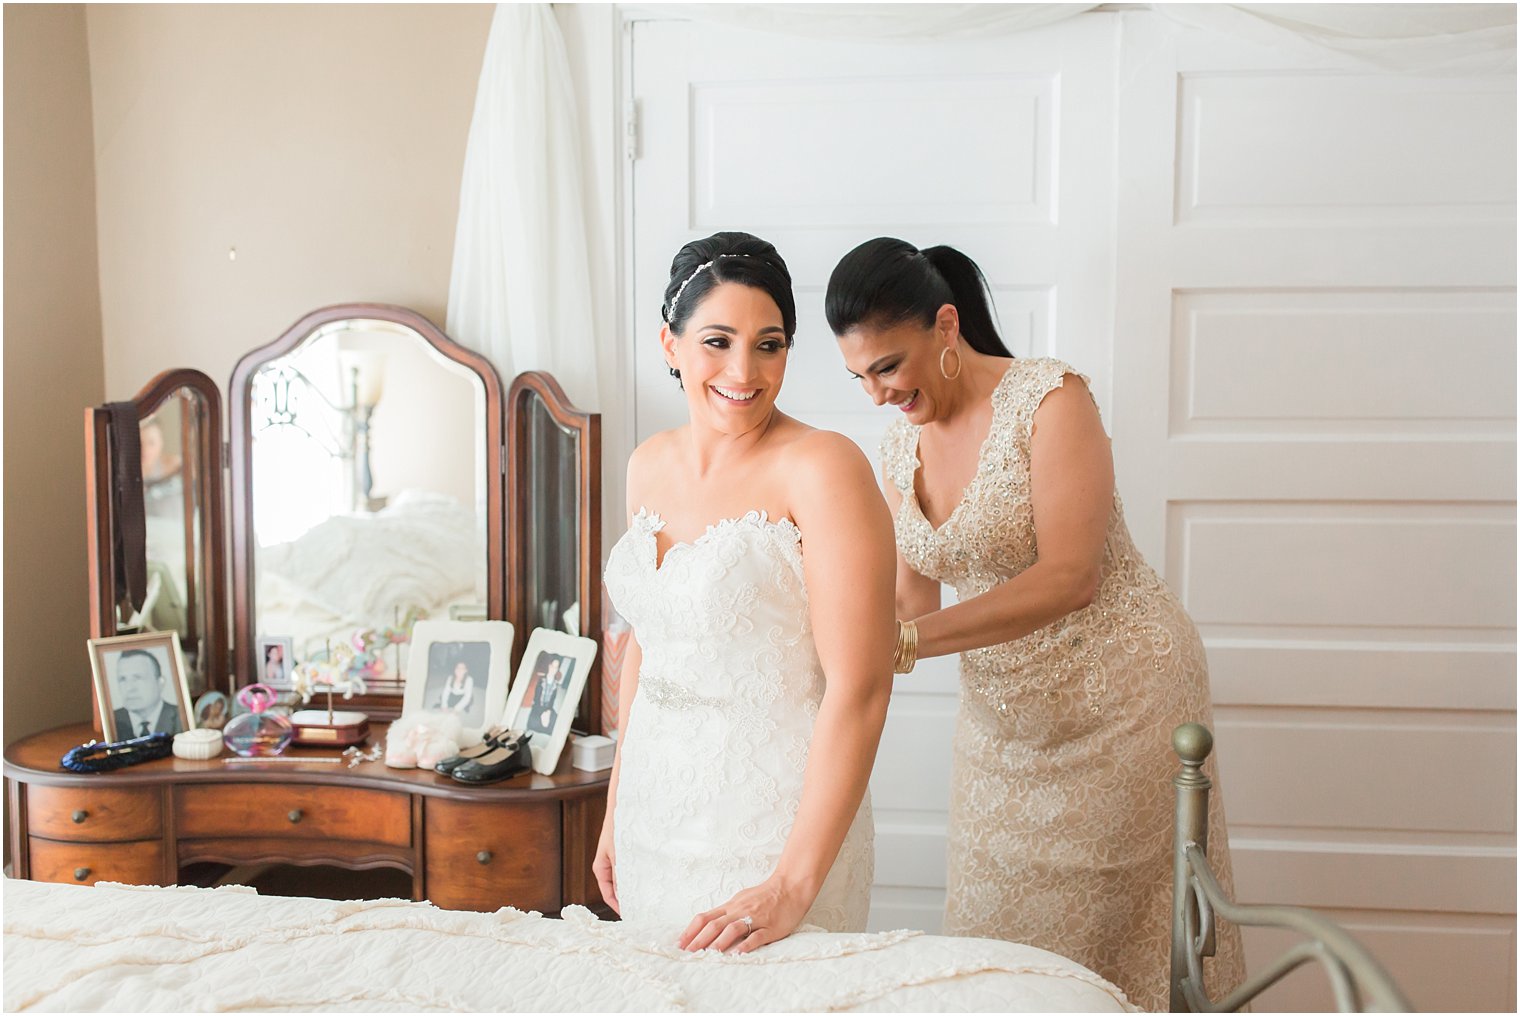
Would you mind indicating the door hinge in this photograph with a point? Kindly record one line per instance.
(631, 130)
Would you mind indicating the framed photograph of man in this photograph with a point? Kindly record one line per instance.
(547, 690)
(277, 659)
(463, 667)
(140, 685)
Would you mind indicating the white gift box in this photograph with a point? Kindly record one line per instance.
(592, 752)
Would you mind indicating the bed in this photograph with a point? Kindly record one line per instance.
(1358, 981)
(134, 948)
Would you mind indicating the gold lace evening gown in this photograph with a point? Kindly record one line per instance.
(1061, 799)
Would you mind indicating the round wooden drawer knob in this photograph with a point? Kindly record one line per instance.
(80, 874)
(79, 816)
(484, 857)
(295, 815)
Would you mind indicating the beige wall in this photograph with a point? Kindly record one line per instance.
(324, 143)
(52, 363)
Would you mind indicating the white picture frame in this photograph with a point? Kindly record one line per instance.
(547, 711)
(275, 661)
(438, 651)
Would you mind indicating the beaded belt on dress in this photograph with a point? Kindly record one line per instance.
(671, 695)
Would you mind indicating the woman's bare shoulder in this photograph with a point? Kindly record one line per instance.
(650, 461)
(825, 467)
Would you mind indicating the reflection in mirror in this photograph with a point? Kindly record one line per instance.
(368, 487)
(176, 596)
(553, 544)
(553, 520)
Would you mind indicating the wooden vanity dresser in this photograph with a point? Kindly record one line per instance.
(526, 843)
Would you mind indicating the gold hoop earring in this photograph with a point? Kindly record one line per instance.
(959, 364)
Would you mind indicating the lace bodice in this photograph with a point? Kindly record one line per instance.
(990, 537)
(720, 727)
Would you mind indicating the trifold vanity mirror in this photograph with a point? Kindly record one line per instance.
(378, 475)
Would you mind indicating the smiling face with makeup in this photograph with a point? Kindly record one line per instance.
(898, 364)
(731, 357)
(729, 320)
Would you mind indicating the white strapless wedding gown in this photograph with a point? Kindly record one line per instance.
(718, 732)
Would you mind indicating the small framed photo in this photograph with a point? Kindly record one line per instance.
(140, 685)
(463, 667)
(212, 711)
(547, 690)
(277, 658)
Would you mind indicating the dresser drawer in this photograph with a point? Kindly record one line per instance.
(248, 810)
(93, 814)
(87, 863)
(488, 856)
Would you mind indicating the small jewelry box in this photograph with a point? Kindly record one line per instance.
(592, 752)
(337, 728)
(199, 744)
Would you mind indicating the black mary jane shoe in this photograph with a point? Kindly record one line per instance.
(492, 741)
(510, 757)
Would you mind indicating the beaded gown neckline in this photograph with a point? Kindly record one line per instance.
(981, 456)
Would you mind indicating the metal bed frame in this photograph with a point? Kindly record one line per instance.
(1359, 982)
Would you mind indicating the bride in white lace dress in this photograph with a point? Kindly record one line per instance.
(757, 574)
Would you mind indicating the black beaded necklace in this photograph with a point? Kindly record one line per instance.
(99, 757)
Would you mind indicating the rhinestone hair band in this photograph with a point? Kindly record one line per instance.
(695, 272)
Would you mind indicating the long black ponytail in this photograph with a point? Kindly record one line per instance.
(886, 281)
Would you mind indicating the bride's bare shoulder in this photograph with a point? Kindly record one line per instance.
(824, 459)
(656, 450)
(648, 463)
(832, 490)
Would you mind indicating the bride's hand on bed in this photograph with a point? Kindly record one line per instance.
(774, 912)
(604, 867)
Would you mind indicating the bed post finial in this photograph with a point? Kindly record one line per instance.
(1192, 742)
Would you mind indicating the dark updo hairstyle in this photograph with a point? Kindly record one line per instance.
(735, 257)
(886, 281)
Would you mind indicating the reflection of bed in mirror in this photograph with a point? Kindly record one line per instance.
(422, 554)
(367, 482)
(369, 500)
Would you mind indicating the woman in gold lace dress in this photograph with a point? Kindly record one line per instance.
(1077, 661)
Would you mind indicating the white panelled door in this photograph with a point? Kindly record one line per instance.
(1315, 433)
(1002, 148)
(1294, 288)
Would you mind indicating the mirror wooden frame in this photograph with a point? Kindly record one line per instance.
(588, 427)
(240, 408)
(100, 521)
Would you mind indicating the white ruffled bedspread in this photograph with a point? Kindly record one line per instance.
(140, 949)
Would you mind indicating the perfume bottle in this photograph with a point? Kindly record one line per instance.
(257, 732)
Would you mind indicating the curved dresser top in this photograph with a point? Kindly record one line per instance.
(35, 760)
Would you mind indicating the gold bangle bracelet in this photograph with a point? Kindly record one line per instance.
(906, 656)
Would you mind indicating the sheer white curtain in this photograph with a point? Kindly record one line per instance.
(518, 290)
(1441, 38)
(1418, 38)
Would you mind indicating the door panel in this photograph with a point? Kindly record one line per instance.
(1001, 147)
(1294, 289)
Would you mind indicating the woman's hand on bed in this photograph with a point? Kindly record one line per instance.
(605, 867)
(774, 911)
